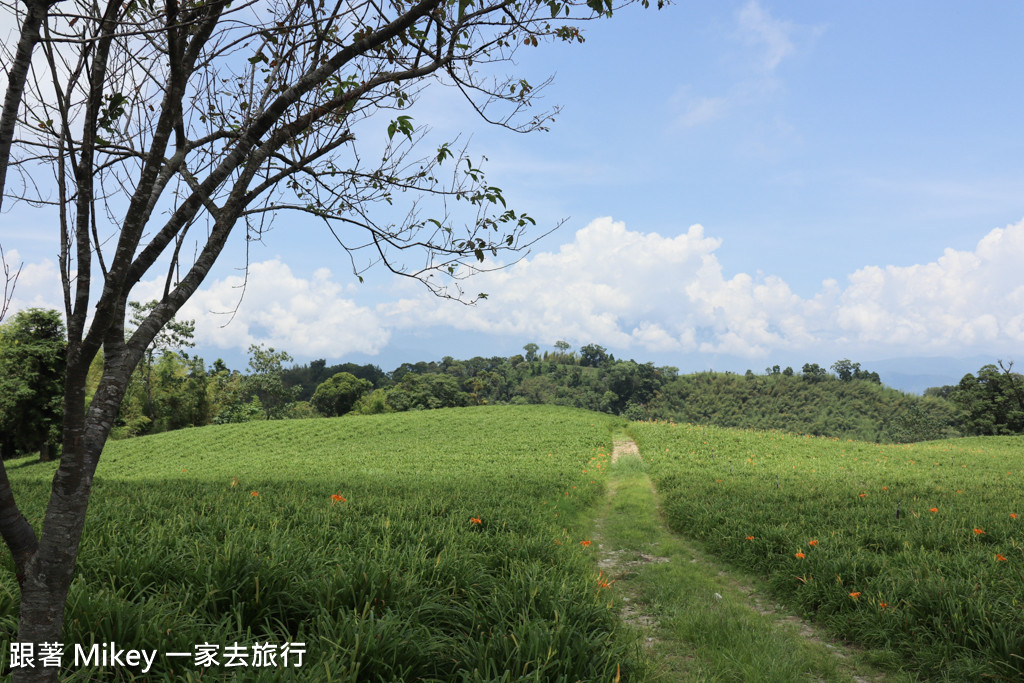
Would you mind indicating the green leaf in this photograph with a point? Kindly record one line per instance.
(403, 125)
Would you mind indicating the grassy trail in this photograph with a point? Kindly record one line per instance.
(699, 621)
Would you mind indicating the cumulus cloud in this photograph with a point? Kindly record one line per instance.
(38, 284)
(964, 299)
(633, 292)
(624, 289)
(304, 316)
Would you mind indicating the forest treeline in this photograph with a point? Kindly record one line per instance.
(173, 389)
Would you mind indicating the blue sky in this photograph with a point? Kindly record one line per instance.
(745, 183)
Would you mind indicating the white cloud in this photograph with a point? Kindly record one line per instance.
(773, 37)
(306, 317)
(636, 291)
(765, 43)
(624, 289)
(630, 291)
(38, 284)
(963, 300)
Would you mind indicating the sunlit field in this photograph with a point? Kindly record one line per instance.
(440, 545)
(916, 549)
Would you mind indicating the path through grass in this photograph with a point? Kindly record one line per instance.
(914, 549)
(700, 622)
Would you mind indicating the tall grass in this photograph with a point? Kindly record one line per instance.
(942, 584)
(431, 546)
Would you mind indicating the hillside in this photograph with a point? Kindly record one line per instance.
(437, 545)
(455, 544)
(857, 409)
(916, 549)
(853, 404)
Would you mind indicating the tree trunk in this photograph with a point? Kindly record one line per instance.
(49, 572)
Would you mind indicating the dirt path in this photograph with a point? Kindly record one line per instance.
(643, 559)
(624, 448)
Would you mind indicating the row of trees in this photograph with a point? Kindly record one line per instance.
(171, 389)
(990, 403)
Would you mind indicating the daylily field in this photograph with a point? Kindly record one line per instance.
(453, 545)
(917, 549)
(434, 545)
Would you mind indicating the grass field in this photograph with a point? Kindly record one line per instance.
(440, 545)
(455, 545)
(940, 586)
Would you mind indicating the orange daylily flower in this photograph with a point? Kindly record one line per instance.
(584, 543)
(1001, 558)
(337, 498)
(855, 594)
(1013, 515)
(799, 556)
(254, 494)
(978, 532)
(812, 542)
(933, 509)
(475, 520)
(750, 538)
(863, 495)
(883, 605)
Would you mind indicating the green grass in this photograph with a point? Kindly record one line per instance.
(230, 534)
(926, 586)
(707, 624)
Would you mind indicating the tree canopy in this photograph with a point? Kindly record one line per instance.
(337, 395)
(32, 347)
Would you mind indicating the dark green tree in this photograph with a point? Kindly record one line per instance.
(265, 380)
(593, 355)
(425, 392)
(33, 344)
(991, 401)
(338, 394)
(919, 420)
(812, 372)
(176, 335)
(845, 369)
